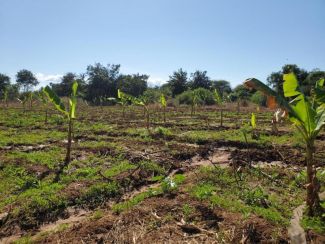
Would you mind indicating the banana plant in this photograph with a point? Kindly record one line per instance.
(163, 104)
(308, 116)
(255, 134)
(70, 115)
(143, 101)
(45, 103)
(124, 100)
(23, 100)
(219, 101)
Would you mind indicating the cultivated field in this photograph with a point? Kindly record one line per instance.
(186, 180)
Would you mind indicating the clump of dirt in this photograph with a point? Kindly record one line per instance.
(182, 151)
(41, 171)
(242, 157)
(160, 220)
(313, 237)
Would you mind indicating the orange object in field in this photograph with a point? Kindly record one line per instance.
(271, 102)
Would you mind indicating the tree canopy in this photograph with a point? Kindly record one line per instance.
(222, 86)
(178, 82)
(275, 79)
(134, 85)
(4, 82)
(26, 79)
(200, 79)
(64, 88)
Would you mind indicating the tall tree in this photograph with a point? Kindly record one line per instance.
(4, 82)
(26, 79)
(178, 82)
(102, 81)
(222, 87)
(64, 88)
(310, 81)
(275, 80)
(134, 85)
(200, 79)
(241, 92)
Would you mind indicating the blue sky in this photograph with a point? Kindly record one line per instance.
(232, 40)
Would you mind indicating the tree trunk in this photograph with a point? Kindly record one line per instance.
(313, 203)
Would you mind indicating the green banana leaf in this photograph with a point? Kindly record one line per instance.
(163, 100)
(55, 100)
(73, 100)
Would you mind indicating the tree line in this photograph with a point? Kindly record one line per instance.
(101, 82)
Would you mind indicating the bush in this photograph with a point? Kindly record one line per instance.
(258, 98)
(205, 97)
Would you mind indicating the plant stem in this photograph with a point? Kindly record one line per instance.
(67, 157)
(221, 117)
(313, 202)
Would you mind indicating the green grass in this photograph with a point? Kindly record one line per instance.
(218, 187)
(316, 224)
(99, 193)
(49, 157)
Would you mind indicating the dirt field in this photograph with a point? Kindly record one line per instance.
(188, 180)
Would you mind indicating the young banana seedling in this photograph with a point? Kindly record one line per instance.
(219, 101)
(163, 104)
(308, 116)
(255, 134)
(143, 101)
(70, 115)
(124, 100)
(45, 103)
(23, 100)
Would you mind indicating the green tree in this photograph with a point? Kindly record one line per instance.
(222, 86)
(13, 91)
(63, 89)
(26, 80)
(4, 83)
(240, 92)
(102, 81)
(311, 80)
(200, 79)
(134, 85)
(259, 98)
(275, 79)
(178, 82)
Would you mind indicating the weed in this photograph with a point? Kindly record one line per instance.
(187, 210)
(99, 193)
(203, 191)
(255, 197)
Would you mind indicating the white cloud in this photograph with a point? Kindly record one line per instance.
(155, 81)
(45, 79)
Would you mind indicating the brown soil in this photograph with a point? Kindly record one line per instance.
(160, 220)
